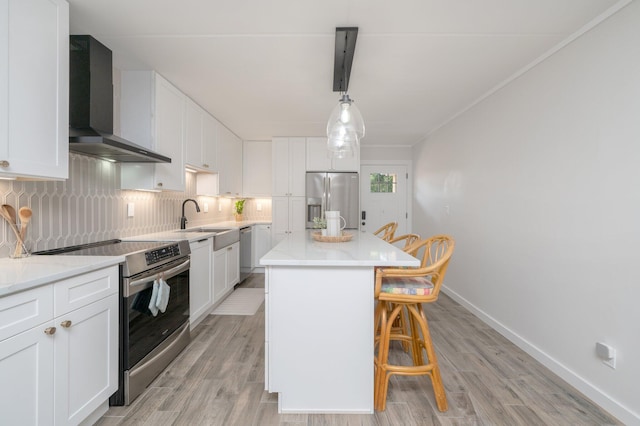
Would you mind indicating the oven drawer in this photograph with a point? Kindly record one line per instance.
(81, 290)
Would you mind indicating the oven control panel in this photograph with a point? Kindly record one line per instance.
(157, 255)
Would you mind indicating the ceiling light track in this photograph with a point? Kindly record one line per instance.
(344, 51)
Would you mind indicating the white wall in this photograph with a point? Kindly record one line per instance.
(385, 153)
(542, 184)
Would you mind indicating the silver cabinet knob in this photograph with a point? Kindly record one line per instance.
(159, 184)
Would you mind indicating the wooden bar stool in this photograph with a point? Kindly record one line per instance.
(386, 231)
(399, 289)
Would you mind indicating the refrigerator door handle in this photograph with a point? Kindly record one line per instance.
(324, 197)
(328, 193)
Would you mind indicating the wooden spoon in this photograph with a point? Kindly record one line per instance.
(9, 214)
(25, 214)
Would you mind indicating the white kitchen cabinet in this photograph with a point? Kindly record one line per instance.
(229, 163)
(287, 215)
(288, 166)
(200, 282)
(226, 271)
(85, 359)
(261, 244)
(320, 160)
(153, 116)
(256, 169)
(59, 349)
(200, 138)
(34, 89)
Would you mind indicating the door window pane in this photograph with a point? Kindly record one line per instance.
(383, 182)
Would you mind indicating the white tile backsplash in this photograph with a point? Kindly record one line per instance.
(89, 207)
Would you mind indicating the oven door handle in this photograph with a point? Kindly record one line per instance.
(169, 273)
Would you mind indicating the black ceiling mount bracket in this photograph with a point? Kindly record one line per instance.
(345, 48)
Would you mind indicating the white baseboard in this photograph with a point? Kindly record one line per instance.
(612, 406)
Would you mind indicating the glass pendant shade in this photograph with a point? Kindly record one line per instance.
(345, 128)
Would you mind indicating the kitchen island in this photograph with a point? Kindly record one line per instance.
(319, 321)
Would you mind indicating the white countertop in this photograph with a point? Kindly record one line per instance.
(365, 249)
(184, 234)
(29, 272)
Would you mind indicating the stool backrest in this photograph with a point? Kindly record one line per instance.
(407, 238)
(386, 231)
(436, 254)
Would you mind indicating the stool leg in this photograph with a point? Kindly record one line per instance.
(381, 385)
(436, 378)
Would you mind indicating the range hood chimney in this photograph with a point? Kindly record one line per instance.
(91, 106)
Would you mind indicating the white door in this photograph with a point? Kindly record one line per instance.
(383, 196)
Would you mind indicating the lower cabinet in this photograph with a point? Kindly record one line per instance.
(226, 270)
(200, 282)
(261, 245)
(59, 352)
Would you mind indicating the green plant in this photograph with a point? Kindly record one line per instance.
(239, 206)
(319, 223)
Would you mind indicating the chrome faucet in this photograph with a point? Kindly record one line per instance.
(183, 219)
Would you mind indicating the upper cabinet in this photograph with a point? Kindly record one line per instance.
(320, 160)
(229, 163)
(256, 169)
(201, 138)
(153, 116)
(288, 166)
(34, 89)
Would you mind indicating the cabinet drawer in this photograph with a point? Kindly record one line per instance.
(24, 310)
(81, 290)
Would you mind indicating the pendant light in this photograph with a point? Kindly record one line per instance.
(345, 127)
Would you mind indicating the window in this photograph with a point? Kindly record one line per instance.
(383, 182)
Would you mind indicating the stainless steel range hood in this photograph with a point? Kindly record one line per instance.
(91, 106)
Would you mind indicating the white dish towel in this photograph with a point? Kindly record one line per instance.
(163, 295)
(154, 298)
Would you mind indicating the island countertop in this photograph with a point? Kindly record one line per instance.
(364, 249)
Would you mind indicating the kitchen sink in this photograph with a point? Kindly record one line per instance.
(223, 236)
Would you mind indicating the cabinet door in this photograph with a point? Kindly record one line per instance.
(297, 166)
(86, 359)
(297, 220)
(233, 265)
(256, 169)
(280, 219)
(347, 164)
(229, 163)
(318, 158)
(200, 285)
(34, 88)
(262, 243)
(26, 374)
(209, 143)
(280, 166)
(170, 104)
(219, 274)
(194, 122)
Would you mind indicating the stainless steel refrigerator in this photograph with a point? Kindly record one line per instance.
(333, 191)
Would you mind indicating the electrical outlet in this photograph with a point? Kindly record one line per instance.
(219, 206)
(607, 353)
(130, 209)
(206, 207)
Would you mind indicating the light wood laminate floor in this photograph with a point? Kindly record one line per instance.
(219, 380)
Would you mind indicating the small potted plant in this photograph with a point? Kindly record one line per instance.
(321, 224)
(239, 208)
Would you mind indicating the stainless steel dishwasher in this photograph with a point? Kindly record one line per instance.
(245, 252)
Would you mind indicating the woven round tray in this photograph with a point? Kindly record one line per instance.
(346, 236)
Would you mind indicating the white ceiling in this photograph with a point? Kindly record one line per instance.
(265, 68)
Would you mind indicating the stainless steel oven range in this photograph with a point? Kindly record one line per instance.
(148, 341)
